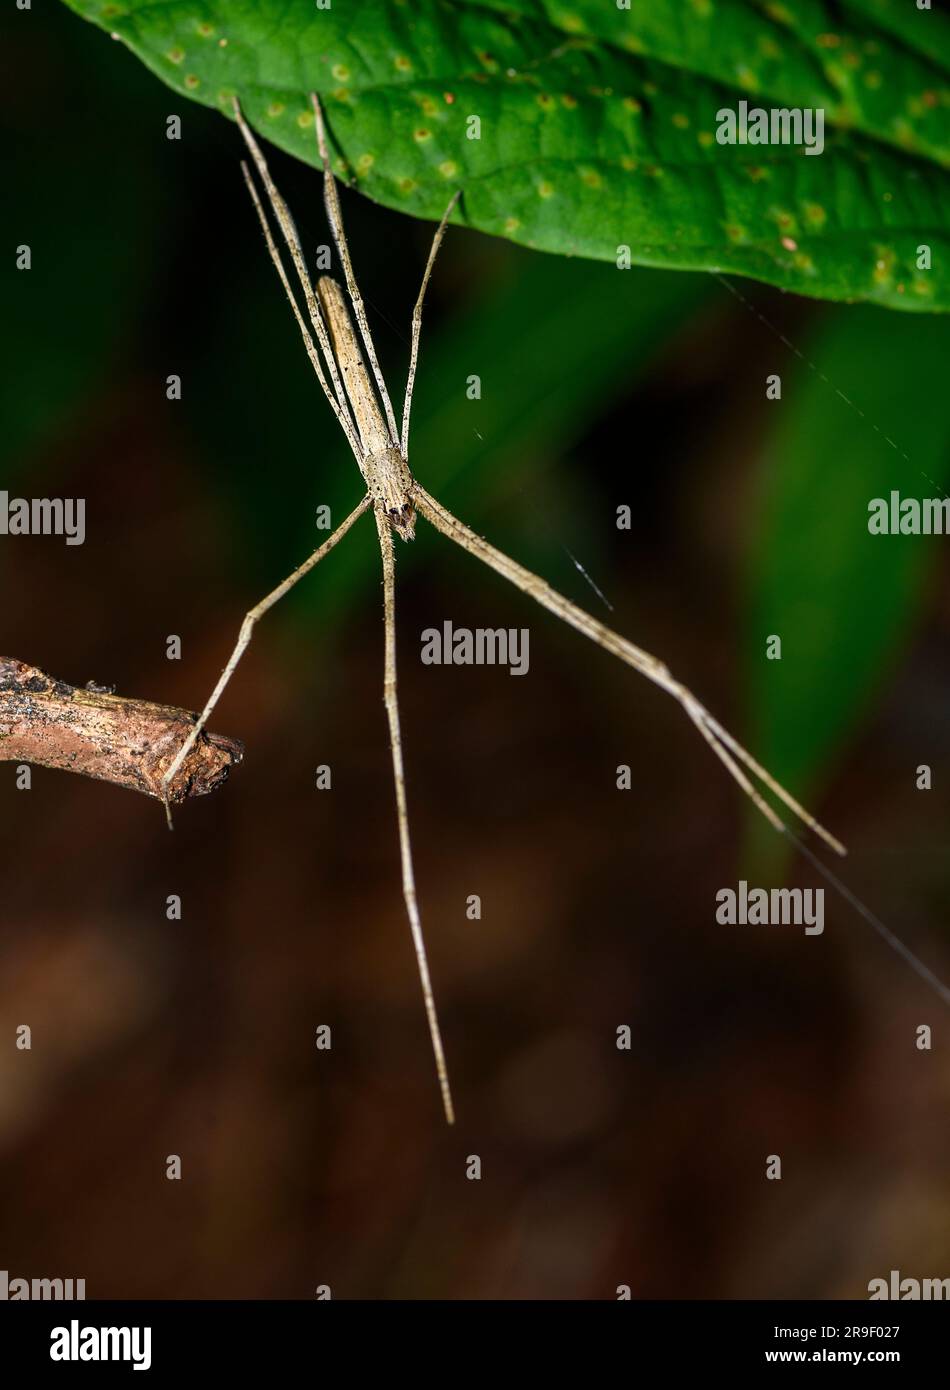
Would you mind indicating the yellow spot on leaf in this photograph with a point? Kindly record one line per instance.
(448, 168)
(886, 258)
(904, 132)
(175, 55)
(783, 219)
(365, 163)
(192, 82)
(680, 120)
(545, 190)
(276, 108)
(705, 138)
(340, 71)
(401, 63)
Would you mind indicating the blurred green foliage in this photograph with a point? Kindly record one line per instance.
(64, 321)
(863, 413)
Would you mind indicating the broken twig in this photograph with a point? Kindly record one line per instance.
(131, 743)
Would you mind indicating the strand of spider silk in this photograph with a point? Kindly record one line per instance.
(895, 943)
(578, 566)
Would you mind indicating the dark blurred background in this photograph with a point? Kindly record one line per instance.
(600, 388)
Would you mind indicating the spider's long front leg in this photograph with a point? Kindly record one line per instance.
(417, 320)
(726, 748)
(288, 230)
(391, 699)
(244, 637)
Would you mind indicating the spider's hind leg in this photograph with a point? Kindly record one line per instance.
(391, 700)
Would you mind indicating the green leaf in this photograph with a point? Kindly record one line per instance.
(842, 600)
(598, 125)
